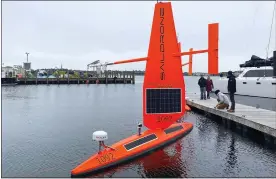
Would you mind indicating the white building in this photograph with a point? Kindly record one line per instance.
(9, 71)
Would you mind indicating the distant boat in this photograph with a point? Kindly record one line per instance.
(255, 80)
(257, 77)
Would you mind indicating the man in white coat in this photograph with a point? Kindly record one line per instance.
(223, 100)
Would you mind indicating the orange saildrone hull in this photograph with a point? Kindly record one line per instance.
(163, 95)
(131, 148)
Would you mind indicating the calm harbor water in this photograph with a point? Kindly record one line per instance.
(47, 131)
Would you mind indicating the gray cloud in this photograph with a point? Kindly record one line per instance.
(77, 33)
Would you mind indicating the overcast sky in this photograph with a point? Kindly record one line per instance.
(77, 33)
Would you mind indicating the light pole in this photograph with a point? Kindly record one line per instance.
(27, 55)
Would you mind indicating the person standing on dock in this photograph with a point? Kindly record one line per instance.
(202, 85)
(209, 86)
(231, 90)
(223, 100)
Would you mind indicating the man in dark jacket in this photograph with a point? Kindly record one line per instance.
(231, 90)
(202, 85)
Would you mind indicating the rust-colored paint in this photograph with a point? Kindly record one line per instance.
(163, 67)
(213, 33)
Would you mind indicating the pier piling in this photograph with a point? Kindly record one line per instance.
(36, 78)
(58, 79)
(124, 76)
(68, 77)
(47, 77)
(25, 77)
(106, 77)
(133, 77)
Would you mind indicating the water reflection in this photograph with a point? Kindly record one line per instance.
(231, 158)
(47, 132)
(165, 162)
(203, 126)
(220, 139)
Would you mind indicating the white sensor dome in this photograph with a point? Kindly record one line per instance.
(99, 136)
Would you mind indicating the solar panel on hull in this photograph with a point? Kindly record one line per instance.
(173, 129)
(140, 141)
(163, 100)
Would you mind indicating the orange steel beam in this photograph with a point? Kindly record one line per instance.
(190, 62)
(184, 64)
(190, 52)
(128, 61)
(213, 33)
(144, 59)
(213, 36)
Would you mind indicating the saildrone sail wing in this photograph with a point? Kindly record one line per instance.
(164, 88)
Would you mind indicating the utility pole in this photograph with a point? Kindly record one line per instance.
(27, 55)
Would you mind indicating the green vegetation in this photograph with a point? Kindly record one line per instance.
(30, 74)
(62, 74)
(76, 75)
(59, 73)
(85, 75)
(56, 73)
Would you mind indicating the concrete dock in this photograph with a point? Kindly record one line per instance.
(261, 120)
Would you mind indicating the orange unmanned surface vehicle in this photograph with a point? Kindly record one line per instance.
(163, 96)
(132, 147)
